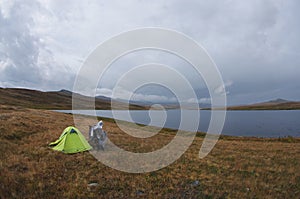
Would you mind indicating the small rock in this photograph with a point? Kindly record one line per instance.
(140, 192)
(93, 184)
(195, 183)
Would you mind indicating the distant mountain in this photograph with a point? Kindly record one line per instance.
(273, 102)
(63, 91)
(167, 105)
(63, 100)
(279, 100)
(276, 104)
(54, 99)
(103, 98)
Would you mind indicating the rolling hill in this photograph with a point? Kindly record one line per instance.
(277, 104)
(54, 99)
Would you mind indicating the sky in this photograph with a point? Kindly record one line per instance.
(255, 44)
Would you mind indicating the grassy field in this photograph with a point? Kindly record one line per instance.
(236, 168)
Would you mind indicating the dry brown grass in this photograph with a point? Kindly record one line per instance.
(237, 167)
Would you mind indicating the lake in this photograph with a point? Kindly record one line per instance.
(238, 123)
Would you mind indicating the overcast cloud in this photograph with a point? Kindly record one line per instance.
(255, 44)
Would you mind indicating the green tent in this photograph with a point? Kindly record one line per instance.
(71, 141)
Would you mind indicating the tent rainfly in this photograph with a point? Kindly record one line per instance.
(71, 141)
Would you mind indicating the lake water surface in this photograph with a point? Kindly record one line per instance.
(238, 123)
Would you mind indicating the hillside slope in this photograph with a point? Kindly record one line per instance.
(278, 104)
(52, 100)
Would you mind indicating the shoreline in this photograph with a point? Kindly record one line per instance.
(270, 131)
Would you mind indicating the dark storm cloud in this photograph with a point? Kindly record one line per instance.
(255, 44)
(19, 49)
(24, 60)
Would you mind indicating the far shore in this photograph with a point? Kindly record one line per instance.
(62, 100)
